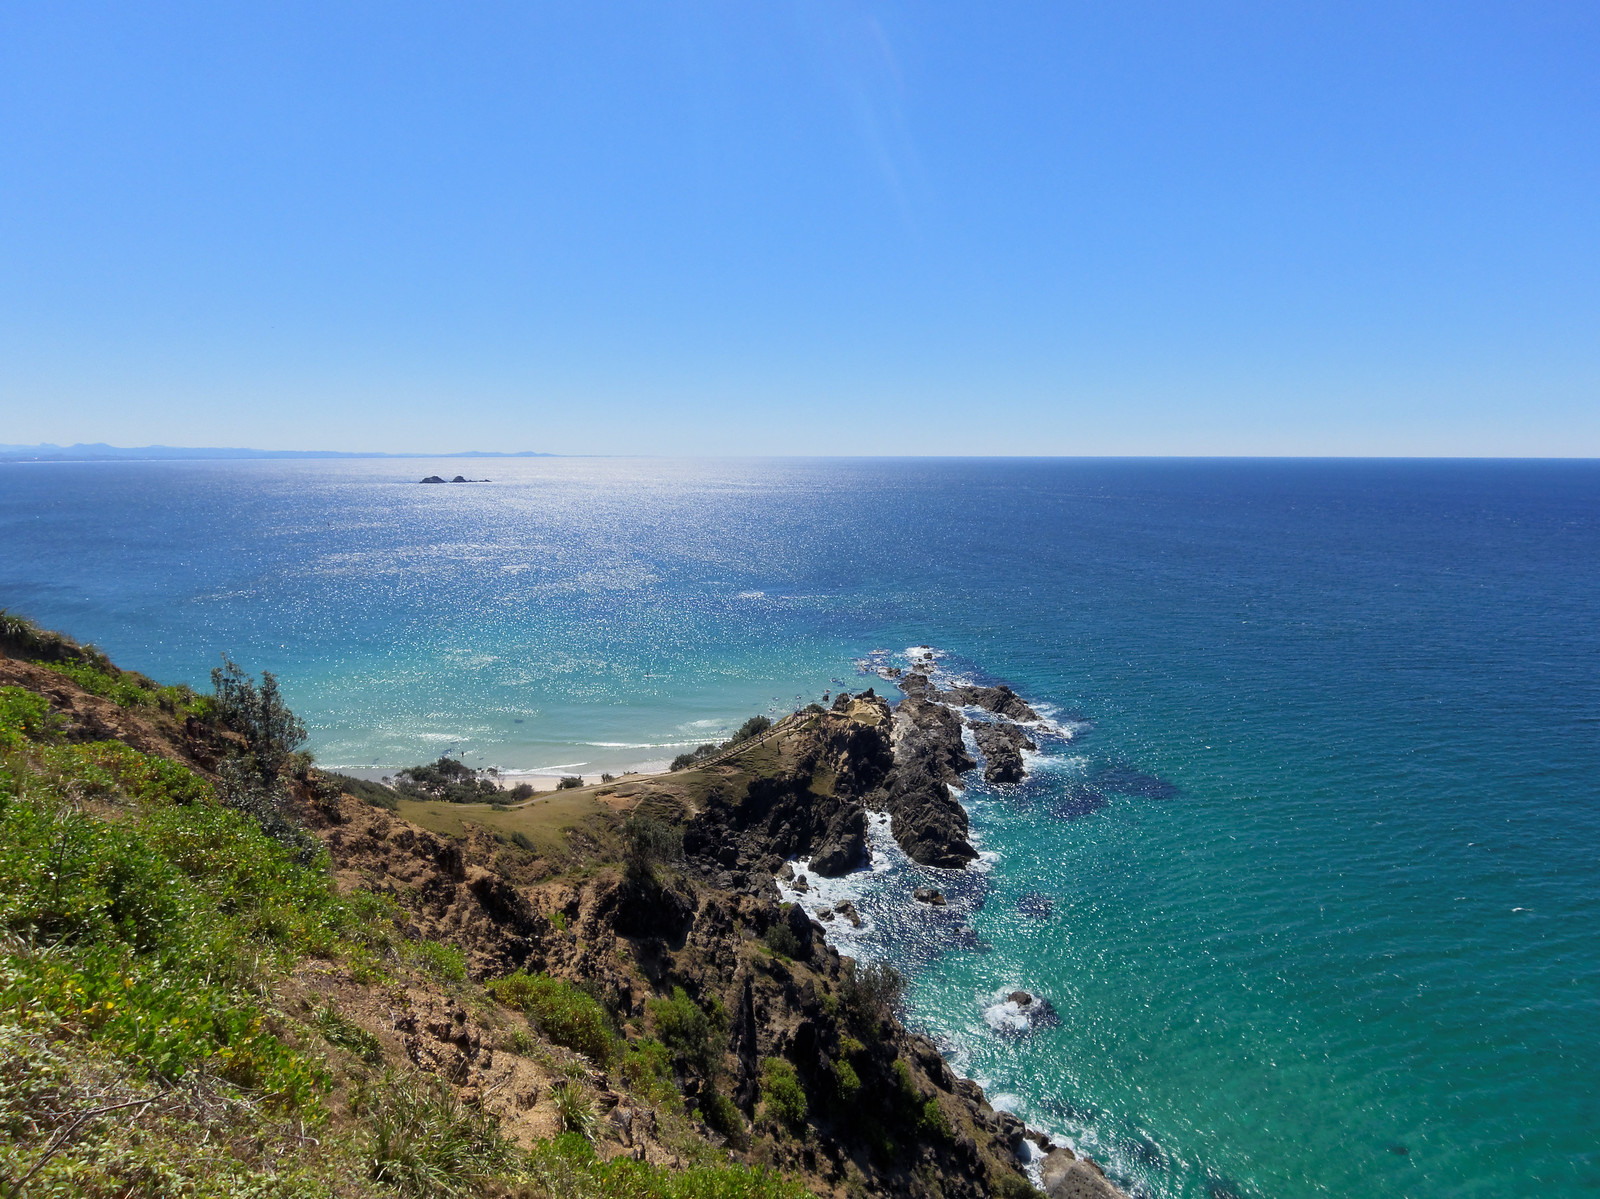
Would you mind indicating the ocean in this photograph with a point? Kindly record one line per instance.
(1308, 868)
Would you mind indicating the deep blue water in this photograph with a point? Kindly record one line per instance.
(1315, 890)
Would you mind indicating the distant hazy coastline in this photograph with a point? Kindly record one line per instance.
(99, 451)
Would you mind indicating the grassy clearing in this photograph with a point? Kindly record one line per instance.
(547, 824)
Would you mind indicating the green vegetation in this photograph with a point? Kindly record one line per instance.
(566, 1168)
(271, 732)
(647, 1069)
(449, 780)
(753, 727)
(649, 843)
(869, 994)
(722, 1114)
(563, 1012)
(141, 944)
(21, 638)
(781, 1092)
(423, 1141)
(24, 717)
(781, 939)
(445, 962)
(375, 794)
(129, 690)
(688, 1029)
(570, 782)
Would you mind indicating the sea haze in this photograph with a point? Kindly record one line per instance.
(1310, 873)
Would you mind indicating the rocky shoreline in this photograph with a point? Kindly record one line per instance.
(906, 760)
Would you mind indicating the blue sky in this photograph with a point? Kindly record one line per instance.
(772, 227)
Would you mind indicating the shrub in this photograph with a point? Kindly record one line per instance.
(422, 1141)
(447, 780)
(271, 731)
(574, 1109)
(522, 791)
(445, 962)
(522, 841)
(846, 1081)
(722, 1114)
(24, 717)
(781, 939)
(562, 1012)
(647, 1069)
(687, 1029)
(649, 843)
(781, 1091)
(933, 1121)
(569, 782)
(870, 993)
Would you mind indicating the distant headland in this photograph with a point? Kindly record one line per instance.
(99, 451)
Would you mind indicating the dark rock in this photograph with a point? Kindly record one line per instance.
(847, 910)
(805, 932)
(1002, 743)
(1020, 998)
(433, 479)
(1067, 1176)
(929, 895)
(1001, 700)
(844, 844)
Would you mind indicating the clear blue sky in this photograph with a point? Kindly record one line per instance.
(812, 227)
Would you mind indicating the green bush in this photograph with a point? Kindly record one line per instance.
(449, 780)
(781, 939)
(722, 1114)
(522, 841)
(687, 1029)
(24, 717)
(647, 1069)
(562, 1012)
(272, 733)
(782, 1093)
(445, 962)
(124, 690)
(846, 1080)
(567, 1168)
(422, 1141)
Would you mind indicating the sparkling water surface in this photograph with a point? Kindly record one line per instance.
(1312, 890)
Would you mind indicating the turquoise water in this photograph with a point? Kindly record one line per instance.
(1335, 934)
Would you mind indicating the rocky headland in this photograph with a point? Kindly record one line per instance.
(719, 1030)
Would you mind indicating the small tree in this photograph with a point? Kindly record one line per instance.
(870, 993)
(271, 731)
(649, 843)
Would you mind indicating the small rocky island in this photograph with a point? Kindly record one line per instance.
(457, 479)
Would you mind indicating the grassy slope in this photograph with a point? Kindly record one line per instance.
(187, 1008)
